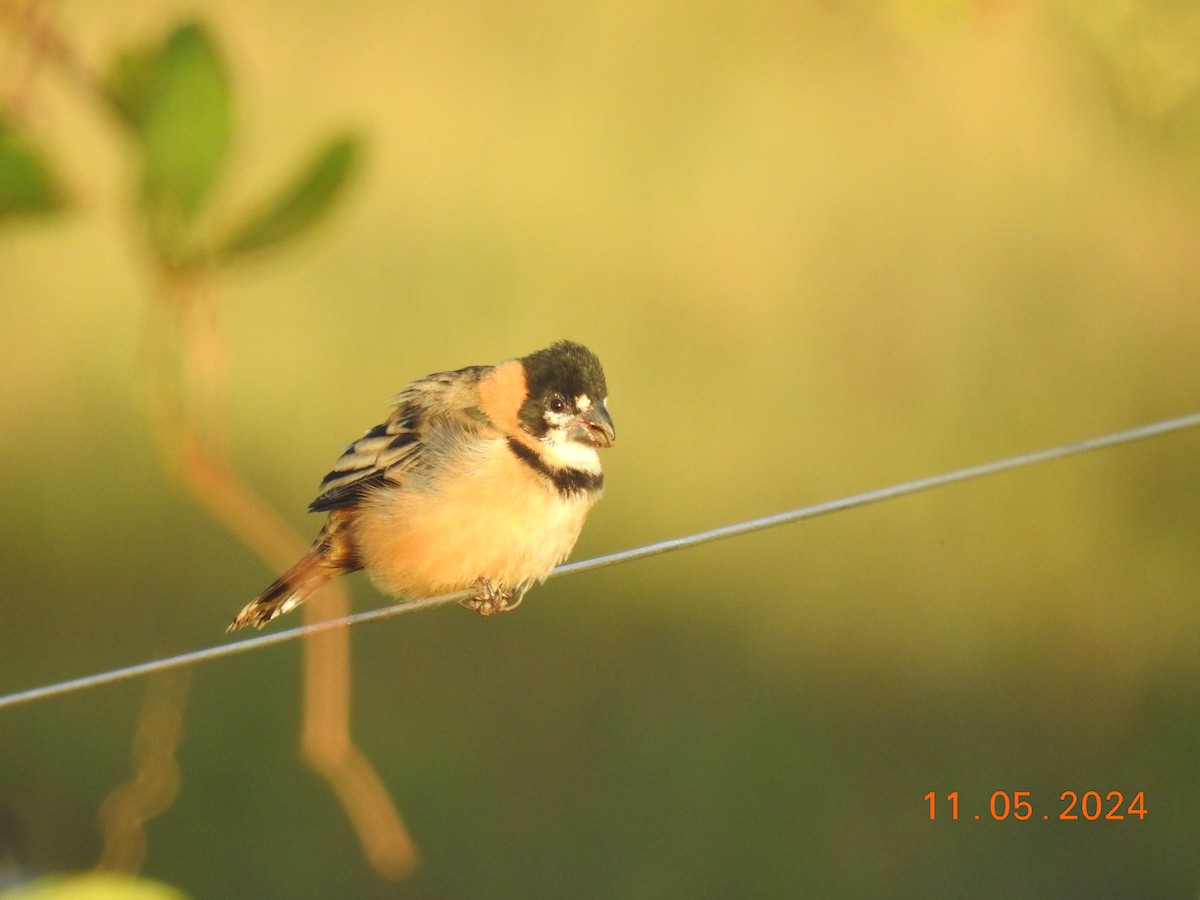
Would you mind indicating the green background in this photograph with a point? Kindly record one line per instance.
(821, 248)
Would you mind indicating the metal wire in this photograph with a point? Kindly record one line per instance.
(703, 537)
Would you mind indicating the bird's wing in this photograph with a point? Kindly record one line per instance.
(386, 452)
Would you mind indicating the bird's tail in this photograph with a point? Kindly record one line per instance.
(321, 563)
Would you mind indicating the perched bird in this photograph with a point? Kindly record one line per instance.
(480, 479)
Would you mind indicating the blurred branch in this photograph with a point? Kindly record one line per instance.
(204, 468)
(175, 99)
(32, 26)
(156, 778)
(197, 453)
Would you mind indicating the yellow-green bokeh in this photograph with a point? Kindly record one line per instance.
(821, 249)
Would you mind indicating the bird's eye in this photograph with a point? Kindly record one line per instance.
(558, 404)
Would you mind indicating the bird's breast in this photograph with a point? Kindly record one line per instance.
(480, 512)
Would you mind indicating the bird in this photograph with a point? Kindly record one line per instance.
(480, 479)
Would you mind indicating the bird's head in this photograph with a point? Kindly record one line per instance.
(565, 400)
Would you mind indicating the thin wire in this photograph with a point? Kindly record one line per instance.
(703, 537)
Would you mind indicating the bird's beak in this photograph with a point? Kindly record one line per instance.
(594, 427)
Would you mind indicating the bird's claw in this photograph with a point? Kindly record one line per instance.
(491, 599)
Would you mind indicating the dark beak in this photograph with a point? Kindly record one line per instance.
(594, 426)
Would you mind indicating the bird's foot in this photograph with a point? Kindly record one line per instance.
(491, 600)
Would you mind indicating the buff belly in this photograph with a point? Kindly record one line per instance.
(491, 517)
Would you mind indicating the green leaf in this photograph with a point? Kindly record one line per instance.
(26, 185)
(127, 82)
(182, 106)
(301, 203)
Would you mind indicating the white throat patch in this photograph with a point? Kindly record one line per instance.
(570, 454)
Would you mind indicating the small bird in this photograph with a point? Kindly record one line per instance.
(480, 480)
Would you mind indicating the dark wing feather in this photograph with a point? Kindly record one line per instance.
(366, 464)
(387, 451)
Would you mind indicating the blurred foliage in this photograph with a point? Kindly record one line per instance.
(820, 249)
(300, 204)
(1147, 55)
(93, 887)
(26, 185)
(178, 100)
